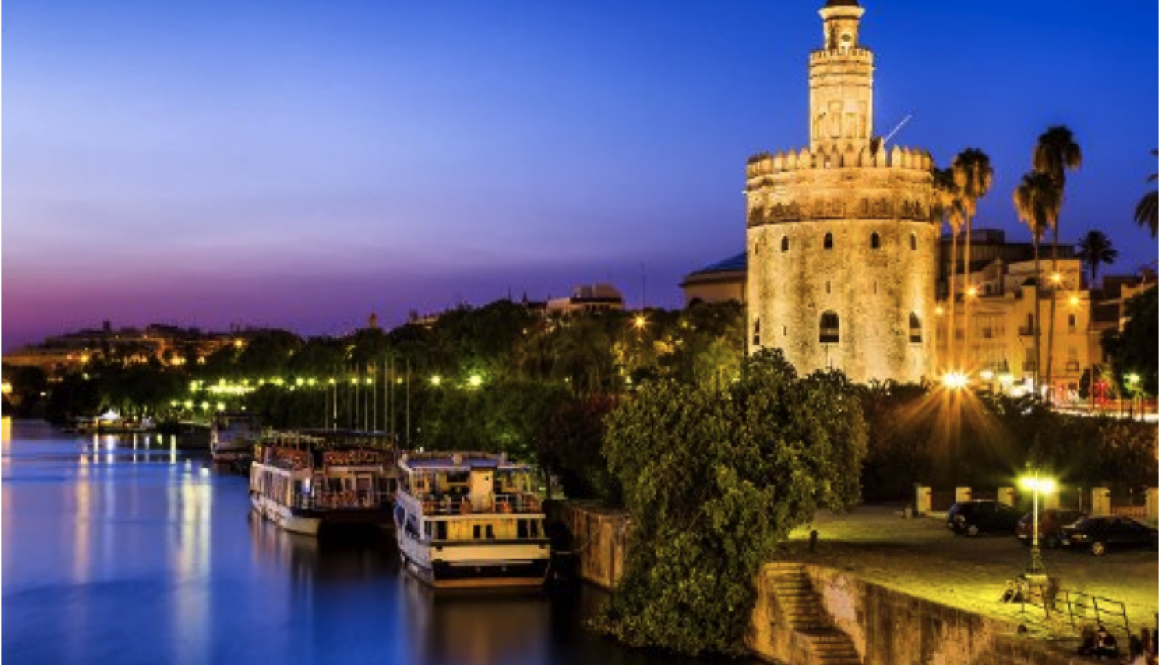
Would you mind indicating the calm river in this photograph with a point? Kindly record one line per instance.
(126, 551)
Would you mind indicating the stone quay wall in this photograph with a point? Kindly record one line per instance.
(892, 628)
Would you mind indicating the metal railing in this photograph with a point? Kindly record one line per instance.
(1078, 605)
(461, 504)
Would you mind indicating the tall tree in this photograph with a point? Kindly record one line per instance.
(716, 477)
(1146, 208)
(949, 205)
(1035, 200)
(1056, 153)
(1095, 248)
(973, 177)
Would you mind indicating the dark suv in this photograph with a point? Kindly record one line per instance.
(982, 516)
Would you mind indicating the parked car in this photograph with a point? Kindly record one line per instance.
(982, 516)
(1098, 534)
(1051, 523)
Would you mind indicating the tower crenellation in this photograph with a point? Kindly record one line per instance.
(841, 234)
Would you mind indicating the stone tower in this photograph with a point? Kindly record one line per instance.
(841, 237)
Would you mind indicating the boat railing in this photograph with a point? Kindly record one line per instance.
(347, 499)
(461, 504)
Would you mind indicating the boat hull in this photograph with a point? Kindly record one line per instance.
(284, 516)
(524, 575)
(475, 564)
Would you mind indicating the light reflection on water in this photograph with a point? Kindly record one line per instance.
(127, 550)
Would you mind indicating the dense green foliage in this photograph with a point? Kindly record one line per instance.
(1134, 350)
(488, 378)
(715, 477)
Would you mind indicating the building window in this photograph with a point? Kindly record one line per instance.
(915, 328)
(827, 287)
(828, 330)
(875, 241)
(785, 243)
(1071, 323)
(756, 332)
(913, 241)
(757, 248)
(828, 241)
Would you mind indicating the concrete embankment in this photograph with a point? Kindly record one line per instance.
(810, 614)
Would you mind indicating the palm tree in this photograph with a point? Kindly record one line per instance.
(1096, 248)
(1036, 199)
(973, 175)
(1146, 208)
(1056, 153)
(949, 206)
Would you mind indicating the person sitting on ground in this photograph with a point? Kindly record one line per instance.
(1087, 641)
(1105, 644)
(1136, 651)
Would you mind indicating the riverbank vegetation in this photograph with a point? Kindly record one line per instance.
(715, 477)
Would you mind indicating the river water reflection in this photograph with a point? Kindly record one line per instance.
(126, 550)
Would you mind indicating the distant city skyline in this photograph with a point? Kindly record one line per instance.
(302, 165)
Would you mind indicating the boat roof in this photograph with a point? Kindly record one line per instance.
(457, 461)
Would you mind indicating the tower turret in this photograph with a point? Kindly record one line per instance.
(841, 82)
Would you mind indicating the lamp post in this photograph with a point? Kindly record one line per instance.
(1036, 485)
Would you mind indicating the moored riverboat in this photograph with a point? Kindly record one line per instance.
(470, 520)
(232, 438)
(304, 489)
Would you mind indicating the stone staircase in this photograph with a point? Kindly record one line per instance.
(803, 611)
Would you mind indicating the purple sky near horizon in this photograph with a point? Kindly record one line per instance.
(302, 164)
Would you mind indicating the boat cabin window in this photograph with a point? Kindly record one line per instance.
(440, 530)
(457, 481)
(521, 528)
(334, 484)
(489, 532)
(475, 532)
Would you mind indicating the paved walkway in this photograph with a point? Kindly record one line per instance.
(921, 557)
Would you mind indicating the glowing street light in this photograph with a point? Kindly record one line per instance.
(639, 322)
(955, 380)
(1037, 486)
(435, 380)
(475, 380)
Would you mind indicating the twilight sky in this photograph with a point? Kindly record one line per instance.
(301, 164)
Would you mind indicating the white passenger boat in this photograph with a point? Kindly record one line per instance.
(470, 520)
(304, 490)
(232, 437)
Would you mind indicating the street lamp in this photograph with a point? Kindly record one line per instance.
(955, 380)
(1037, 485)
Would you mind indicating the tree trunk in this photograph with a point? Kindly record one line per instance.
(1035, 318)
(950, 362)
(966, 289)
(1051, 310)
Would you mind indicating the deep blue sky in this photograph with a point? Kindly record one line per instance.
(302, 164)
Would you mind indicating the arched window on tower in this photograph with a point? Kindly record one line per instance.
(913, 241)
(785, 243)
(915, 328)
(875, 241)
(828, 241)
(828, 329)
(756, 332)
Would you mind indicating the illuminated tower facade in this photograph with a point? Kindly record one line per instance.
(841, 237)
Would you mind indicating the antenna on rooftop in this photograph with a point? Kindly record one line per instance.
(897, 127)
